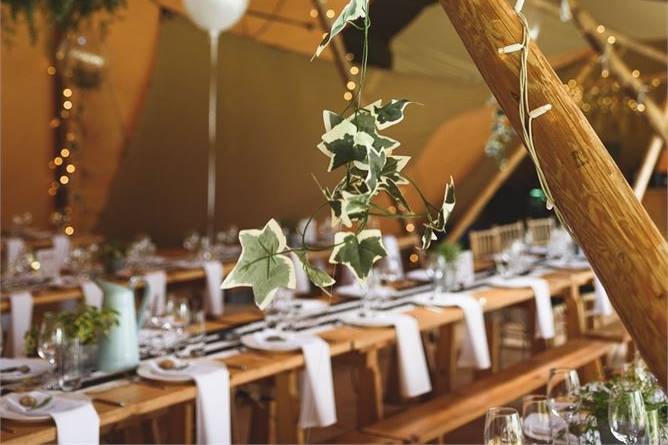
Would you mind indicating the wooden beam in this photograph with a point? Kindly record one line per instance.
(474, 210)
(625, 249)
(648, 164)
(587, 26)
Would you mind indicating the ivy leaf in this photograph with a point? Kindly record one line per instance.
(374, 166)
(261, 265)
(391, 113)
(393, 168)
(395, 193)
(318, 277)
(351, 12)
(427, 237)
(352, 207)
(446, 208)
(344, 144)
(331, 119)
(358, 252)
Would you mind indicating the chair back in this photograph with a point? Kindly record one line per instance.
(540, 230)
(485, 243)
(509, 233)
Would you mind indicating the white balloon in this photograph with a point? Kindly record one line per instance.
(215, 15)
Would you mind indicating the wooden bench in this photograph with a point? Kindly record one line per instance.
(431, 420)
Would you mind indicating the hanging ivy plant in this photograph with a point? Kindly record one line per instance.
(354, 145)
(65, 15)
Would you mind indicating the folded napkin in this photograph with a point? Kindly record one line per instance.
(413, 372)
(76, 421)
(49, 262)
(539, 426)
(213, 398)
(157, 288)
(541, 290)
(318, 408)
(214, 294)
(475, 348)
(14, 248)
(21, 309)
(92, 294)
(572, 263)
(602, 304)
(61, 245)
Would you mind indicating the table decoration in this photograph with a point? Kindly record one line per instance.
(475, 348)
(75, 417)
(351, 142)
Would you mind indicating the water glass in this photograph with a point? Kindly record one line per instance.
(49, 331)
(197, 338)
(563, 397)
(503, 427)
(536, 419)
(627, 416)
(436, 272)
(68, 363)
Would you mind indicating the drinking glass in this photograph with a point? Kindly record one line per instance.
(68, 362)
(390, 269)
(503, 427)
(562, 393)
(49, 331)
(436, 272)
(627, 416)
(536, 419)
(197, 333)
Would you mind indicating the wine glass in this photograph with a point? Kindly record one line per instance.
(503, 427)
(436, 272)
(48, 333)
(563, 397)
(536, 419)
(627, 416)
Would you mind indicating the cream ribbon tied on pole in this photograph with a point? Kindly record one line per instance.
(214, 16)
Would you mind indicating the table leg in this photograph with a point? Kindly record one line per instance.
(287, 408)
(575, 312)
(493, 330)
(446, 359)
(369, 388)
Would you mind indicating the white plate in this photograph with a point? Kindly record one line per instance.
(147, 372)
(309, 306)
(375, 320)
(37, 367)
(8, 413)
(257, 340)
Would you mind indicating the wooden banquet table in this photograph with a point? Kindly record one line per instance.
(142, 399)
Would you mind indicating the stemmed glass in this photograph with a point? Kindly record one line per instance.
(503, 427)
(536, 423)
(627, 416)
(49, 335)
(563, 397)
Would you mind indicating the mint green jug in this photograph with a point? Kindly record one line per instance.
(119, 349)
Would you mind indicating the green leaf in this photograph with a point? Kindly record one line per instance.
(351, 12)
(375, 164)
(344, 144)
(358, 252)
(395, 193)
(318, 277)
(393, 167)
(261, 265)
(446, 208)
(331, 119)
(353, 207)
(427, 237)
(391, 113)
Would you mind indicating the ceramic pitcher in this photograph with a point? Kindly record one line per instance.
(119, 349)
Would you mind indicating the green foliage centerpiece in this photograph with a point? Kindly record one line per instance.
(354, 145)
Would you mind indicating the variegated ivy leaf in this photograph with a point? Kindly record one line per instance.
(427, 237)
(375, 163)
(395, 193)
(344, 144)
(393, 168)
(390, 114)
(358, 252)
(331, 119)
(351, 12)
(318, 277)
(352, 207)
(261, 265)
(365, 120)
(447, 207)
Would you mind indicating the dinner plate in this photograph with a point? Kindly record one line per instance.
(7, 413)
(306, 306)
(146, 371)
(259, 341)
(373, 320)
(37, 368)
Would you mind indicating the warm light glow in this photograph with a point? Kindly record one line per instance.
(350, 57)
(392, 209)
(354, 70)
(35, 265)
(67, 92)
(58, 160)
(313, 13)
(54, 123)
(51, 70)
(69, 230)
(605, 74)
(65, 152)
(600, 29)
(348, 95)
(572, 83)
(656, 82)
(324, 35)
(635, 73)
(641, 107)
(410, 227)
(413, 258)
(70, 168)
(330, 13)
(52, 191)
(64, 179)
(67, 105)
(351, 85)
(611, 40)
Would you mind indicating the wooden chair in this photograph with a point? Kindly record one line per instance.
(485, 243)
(431, 420)
(509, 233)
(540, 230)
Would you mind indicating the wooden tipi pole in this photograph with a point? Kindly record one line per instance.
(625, 248)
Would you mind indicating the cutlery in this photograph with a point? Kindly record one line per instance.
(120, 403)
(23, 369)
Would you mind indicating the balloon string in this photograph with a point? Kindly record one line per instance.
(213, 102)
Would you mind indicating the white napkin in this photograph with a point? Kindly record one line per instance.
(14, 248)
(602, 304)
(393, 251)
(76, 421)
(21, 308)
(318, 408)
(465, 269)
(92, 294)
(541, 290)
(157, 288)
(214, 294)
(301, 277)
(413, 372)
(475, 348)
(419, 275)
(213, 399)
(61, 245)
(311, 235)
